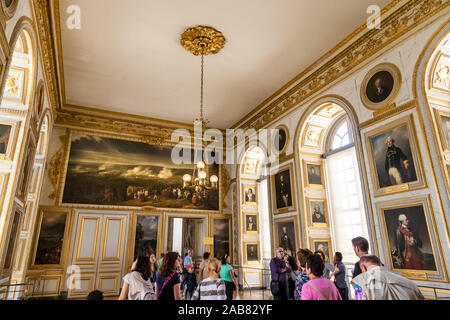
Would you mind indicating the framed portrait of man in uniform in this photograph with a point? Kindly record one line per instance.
(443, 121)
(282, 190)
(314, 175)
(251, 253)
(412, 243)
(394, 157)
(285, 231)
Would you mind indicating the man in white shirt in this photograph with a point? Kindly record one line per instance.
(377, 283)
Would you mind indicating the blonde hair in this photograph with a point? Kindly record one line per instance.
(214, 265)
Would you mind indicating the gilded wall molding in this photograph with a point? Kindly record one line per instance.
(394, 26)
(43, 22)
(388, 112)
(149, 133)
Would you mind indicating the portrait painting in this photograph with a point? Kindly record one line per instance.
(380, 86)
(114, 172)
(280, 139)
(146, 240)
(409, 238)
(26, 170)
(286, 237)
(252, 252)
(51, 238)
(317, 211)
(221, 237)
(13, 235)
(250, 194)
(325, 247)
(251, 223)
(5, 136)
(282, 186)
(394, 156)
(314, 174)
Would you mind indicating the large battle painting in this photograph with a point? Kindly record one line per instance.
(108, 171)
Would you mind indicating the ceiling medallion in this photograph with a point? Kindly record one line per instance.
(202, 40)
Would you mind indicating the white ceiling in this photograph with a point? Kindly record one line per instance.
(127, 55)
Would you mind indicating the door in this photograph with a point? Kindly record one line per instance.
(99, 251)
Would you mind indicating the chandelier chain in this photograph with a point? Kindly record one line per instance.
(201, 86)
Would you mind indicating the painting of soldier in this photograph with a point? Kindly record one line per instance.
(286, 237)
(394, 159)
(317, 212)
(280, 139)
(283, 189)
(409, 238)
(251, 224)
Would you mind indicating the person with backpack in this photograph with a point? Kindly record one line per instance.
(168, 278)
(137, 284)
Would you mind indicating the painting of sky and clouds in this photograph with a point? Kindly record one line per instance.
(107, 171)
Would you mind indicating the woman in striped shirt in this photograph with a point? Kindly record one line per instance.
(211, 288)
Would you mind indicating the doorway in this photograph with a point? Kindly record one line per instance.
(186, 233)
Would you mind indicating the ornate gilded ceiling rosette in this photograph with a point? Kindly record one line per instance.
(202, 39)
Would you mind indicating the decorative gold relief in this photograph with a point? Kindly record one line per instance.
(11, 85)
(55, 167)
(403, 20)
(153, 140)
(384, 110)
(202, 40)
(225, 181)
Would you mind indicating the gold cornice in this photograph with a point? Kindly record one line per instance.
(43, 22)
(125, 116)
(404, 19)
(388, 112)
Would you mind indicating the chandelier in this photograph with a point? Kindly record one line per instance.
(201, 41)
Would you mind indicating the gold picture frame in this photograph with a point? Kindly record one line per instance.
(13, 235)
(324, 209)
(62, 180)
(307, 183)
(254, 214)
(276, 201)
(277, 225)
(10, 147)
(159, 236)
(420, 214)
(246, 245)
(316, 243)
(380, 71)
(66, 238)
(286, 144)
(382, 183)
(26, 172)
(445, 142)
(212, 219)
(254, 188)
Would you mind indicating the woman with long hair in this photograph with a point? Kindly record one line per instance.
(227, 274)
(137, 284)
(211, 288)
(153, 268)
(168, 278)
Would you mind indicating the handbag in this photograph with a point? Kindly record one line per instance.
(275, 287)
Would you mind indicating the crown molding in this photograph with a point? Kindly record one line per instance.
(42, 15)
(400, 22)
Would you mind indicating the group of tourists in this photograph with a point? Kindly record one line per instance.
(308, 277)
(174, 278)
